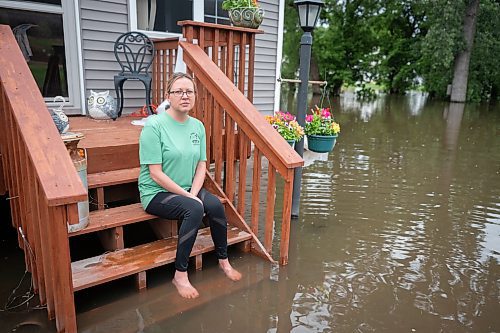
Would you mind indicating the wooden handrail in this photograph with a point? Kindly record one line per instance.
(42, 183)
(58, 178)
(241, 110)
(232, 124)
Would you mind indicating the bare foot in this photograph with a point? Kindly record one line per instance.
(230, 272)
(184, 287)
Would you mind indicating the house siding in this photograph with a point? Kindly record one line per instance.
(101, 24)
(265, 58)
(103, 21)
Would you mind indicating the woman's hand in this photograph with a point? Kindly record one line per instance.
(192, 196)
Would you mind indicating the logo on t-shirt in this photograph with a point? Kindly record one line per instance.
(195, 138)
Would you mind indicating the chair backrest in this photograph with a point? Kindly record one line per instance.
(134, 52)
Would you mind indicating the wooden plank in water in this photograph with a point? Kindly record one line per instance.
(111, 266)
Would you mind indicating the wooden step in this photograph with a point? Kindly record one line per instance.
(114, 217)
(114, 177)
(111, 266)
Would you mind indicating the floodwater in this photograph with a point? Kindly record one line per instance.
(399, 232)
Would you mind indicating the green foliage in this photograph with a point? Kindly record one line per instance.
(230, 4)
(291, 42)
(484, 71)
(399, 44)
(444, 39)
(399, 31)
(366, 92)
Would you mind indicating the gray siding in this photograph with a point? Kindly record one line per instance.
(101, 23)
(265, 58)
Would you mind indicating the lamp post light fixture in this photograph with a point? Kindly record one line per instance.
(308, 13)
(308, 16)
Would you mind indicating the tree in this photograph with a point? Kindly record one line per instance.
(443, 24)
(484, 72)
(403, 43)
(345, 42)
(290, 62)
(399, 32)
(462, 60)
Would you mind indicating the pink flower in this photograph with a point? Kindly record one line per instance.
(325, 113)
(309, 118)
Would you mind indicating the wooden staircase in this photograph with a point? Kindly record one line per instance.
(118, 260)
(45, 189)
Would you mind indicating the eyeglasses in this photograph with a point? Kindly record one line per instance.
(180, 93)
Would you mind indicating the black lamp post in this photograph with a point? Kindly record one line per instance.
(308, 16)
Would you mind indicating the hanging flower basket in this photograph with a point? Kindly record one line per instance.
(321, 130)
(321, 143)
(246, 17)
(287, 126)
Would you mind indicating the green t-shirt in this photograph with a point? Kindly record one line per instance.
(178, 147)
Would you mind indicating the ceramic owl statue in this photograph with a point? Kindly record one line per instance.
(58, 116)
(100, 105)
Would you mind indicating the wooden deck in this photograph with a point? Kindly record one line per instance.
(104, 133)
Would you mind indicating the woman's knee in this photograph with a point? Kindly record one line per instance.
(195, 210)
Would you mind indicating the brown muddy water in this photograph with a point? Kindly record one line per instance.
(399, 232)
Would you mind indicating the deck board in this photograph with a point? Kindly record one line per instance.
(105, 133)
(111, 266)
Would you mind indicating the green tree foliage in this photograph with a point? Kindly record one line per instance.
(443, 40)
(291, 42)
(399, 44)
(399, 33)
(484, 71)
(345, 44)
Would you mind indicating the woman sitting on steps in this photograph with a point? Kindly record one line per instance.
(172, 153)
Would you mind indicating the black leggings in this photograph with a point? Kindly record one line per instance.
(178, 207)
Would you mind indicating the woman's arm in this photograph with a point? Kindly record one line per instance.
(168, 184)
(199, 177)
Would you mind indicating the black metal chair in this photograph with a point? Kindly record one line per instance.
(134, 51)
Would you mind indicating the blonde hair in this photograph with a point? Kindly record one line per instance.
(177, 76)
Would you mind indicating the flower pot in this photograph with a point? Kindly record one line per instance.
(246, 17)
(321, 143)
(291, 142)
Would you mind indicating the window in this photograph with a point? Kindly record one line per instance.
(158, 18)
(214, 12)
(162, 15)
(48, 44)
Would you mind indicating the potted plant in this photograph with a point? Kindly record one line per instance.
(321, 130)
(244, 13)
(287, 126)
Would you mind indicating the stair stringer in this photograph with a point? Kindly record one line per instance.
(235, 219)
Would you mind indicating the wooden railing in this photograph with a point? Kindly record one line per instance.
(42, 183)
(163, 66)
(222, 61)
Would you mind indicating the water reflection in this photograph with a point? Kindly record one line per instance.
(365, 109)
